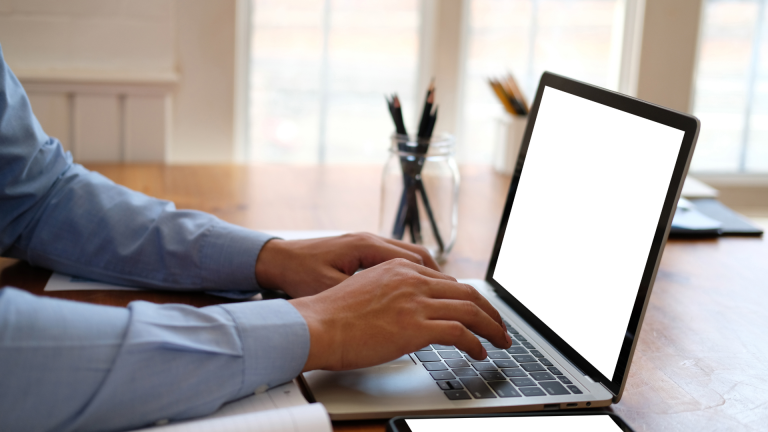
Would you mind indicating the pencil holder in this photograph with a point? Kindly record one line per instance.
(419, 193)
(509, 136)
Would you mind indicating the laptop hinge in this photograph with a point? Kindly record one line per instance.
(609, 390)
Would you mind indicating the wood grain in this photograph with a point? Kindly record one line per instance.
(703, 350)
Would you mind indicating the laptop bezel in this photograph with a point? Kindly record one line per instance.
(687, 123)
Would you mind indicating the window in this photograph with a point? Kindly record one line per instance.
(319, 70)
(731, 96)
(578, 38)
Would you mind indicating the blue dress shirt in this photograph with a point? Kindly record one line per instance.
(67, 366)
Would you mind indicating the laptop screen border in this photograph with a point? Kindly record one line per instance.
(687, 123)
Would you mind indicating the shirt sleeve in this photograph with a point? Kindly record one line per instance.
(67, 366)
(58, 215)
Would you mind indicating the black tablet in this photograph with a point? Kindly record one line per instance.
(586, 421)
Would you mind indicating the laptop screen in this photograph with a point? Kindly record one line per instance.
(583, 219)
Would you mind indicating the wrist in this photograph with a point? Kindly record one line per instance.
(268, 264)
(321, 335)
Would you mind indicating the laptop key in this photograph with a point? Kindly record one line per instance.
(545, 362)
(426, 348)
(477, 388)
(443, 347)
(464, 372)
(554, 370)
(564, 379)
(512, 330)
(528, 345)
(468, 357)
(505, 363)
(523, 358)
(532, 391)
(435, 366)
(523, 382)
(520, 338)
(532, 367)
(444, 385)
(442, 375)
(542, 376)
(517, 350)
(537, 353)
(498, 355)
(484, 366)
(493, 376)
(455, 384)
(504, 389)
(574, 389)
(457, 395)
(553, 388)
(457, 363)
(427, 356)
(516, 373)
(450, 354)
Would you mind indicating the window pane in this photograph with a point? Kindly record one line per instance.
(756, 152)
(577, 38)
(307, 104)
(722, 83)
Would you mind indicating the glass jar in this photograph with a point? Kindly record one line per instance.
(419, 193)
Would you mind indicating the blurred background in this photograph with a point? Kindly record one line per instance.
(303, 81)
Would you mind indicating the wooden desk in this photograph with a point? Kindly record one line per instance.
(701, 362)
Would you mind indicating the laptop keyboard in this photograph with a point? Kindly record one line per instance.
(520, 371)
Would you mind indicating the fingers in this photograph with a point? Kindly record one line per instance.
(455, 334)
(379, 249)
(426, 257)
(470, 316)
(424, 271)
(382, 252)
(465, 292)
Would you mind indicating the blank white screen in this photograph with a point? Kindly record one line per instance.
(591, 423)
(583, 220)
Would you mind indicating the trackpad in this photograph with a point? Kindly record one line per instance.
(393, 379)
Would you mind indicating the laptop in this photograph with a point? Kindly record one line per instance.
(588, 213)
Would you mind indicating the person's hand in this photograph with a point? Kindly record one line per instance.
(307, 267)
(393, 309)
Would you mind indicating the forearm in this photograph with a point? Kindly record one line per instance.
(91, 367)
(93, 228)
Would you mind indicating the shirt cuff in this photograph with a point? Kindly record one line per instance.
(229, 257)
(275, 340)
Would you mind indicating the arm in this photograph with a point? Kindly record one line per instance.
(58, 215)
(90, 367)
(72, 366)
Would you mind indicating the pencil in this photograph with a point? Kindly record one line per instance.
(502, 95)
(518, 95)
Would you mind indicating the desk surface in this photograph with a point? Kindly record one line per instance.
(702, 359)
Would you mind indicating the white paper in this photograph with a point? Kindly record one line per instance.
(61, 282)
(694, 188)
(281, 409)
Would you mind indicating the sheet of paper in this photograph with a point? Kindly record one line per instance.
(693, 188)
(305, 418)
(280, 409)
(285, 396)
(61, 282)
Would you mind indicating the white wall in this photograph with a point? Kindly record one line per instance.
(117, 63)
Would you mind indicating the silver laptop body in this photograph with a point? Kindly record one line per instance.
(591, 340)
